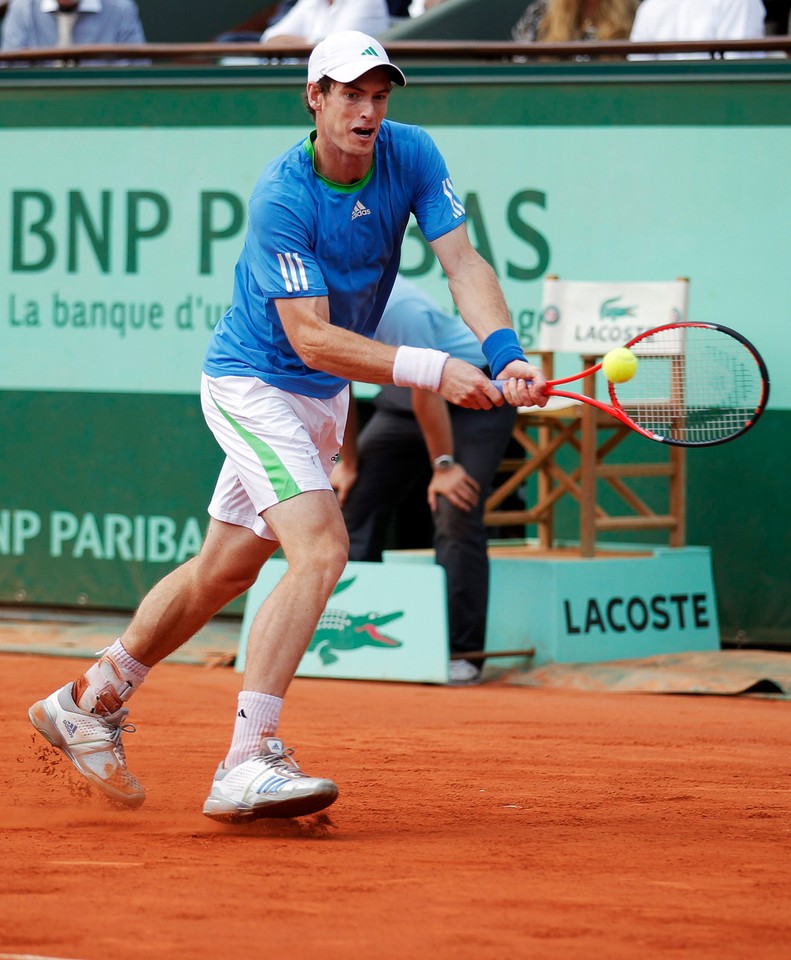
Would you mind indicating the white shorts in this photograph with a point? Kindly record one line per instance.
(276, 444)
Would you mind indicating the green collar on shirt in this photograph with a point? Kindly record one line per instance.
(340, 187)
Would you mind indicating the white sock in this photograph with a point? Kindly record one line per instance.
(257, 716)
(110, 682)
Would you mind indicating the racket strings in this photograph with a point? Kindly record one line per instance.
(693, 385)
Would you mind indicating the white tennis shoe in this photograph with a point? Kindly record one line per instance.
(91, 742)
(463, 673)
(270, 784)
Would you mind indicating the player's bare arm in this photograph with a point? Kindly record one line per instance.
(480, 301)
(306, 321)
(322, 346)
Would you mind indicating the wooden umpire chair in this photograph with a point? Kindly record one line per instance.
(587, 319)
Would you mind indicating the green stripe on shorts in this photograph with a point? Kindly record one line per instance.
(282, 482)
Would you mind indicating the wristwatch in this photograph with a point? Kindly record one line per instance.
(444, 462)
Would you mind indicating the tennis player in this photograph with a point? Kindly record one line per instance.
(321, 253)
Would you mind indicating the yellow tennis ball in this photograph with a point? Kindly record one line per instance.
(619, 365)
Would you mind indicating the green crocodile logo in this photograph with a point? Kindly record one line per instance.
(612, 310)
(339, 630)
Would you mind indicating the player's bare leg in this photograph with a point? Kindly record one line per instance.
(313, 536)
(311, 531)
(186, 599)
(85, 719)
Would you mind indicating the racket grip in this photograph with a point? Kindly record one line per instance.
(500, 384)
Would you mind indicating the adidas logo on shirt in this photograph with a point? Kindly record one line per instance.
(360, 210)
(456, 206)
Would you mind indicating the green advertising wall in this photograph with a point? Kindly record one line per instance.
(122, 208)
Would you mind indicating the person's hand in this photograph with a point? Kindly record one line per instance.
(343, 477)
(524, 384)
(456, 485)
(467, 386)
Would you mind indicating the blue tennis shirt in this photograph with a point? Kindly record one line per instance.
(308, 237)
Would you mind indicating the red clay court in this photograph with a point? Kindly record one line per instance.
(493, 822)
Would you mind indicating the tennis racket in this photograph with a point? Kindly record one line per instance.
(696, 385)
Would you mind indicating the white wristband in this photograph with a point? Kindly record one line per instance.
(418, 367)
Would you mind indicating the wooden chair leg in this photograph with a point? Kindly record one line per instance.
(588, 483)
(678, 496)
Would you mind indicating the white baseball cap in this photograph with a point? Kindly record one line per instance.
(348, 54)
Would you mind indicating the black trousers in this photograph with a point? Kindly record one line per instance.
(393, 465)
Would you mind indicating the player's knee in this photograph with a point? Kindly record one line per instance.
(227, 580)
(317, 583)
(242, 580)
(335, 555)
(323, 563)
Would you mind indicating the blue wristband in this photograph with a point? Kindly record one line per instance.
(500, 348)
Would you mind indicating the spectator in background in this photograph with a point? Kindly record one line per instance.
(416, 441)
(399, 9)
(309, 21)
(563, 21)
(666, 20)
(250, 31)
(31, 24)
